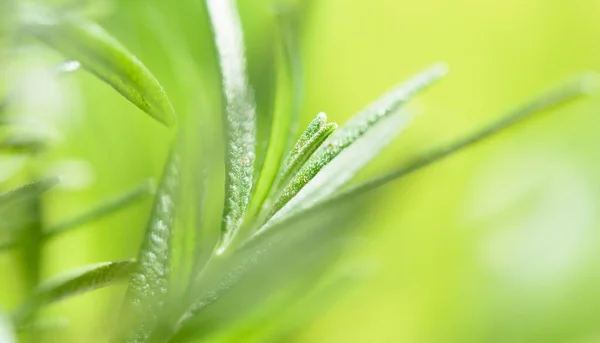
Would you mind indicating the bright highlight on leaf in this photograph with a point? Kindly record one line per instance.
(97, 51)
(240, 113)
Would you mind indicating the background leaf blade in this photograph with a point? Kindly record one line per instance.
(101, 54)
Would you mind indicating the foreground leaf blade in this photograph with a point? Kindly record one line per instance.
(287, 107)
(149, 281)
(312, 139)
(356, 128)
(101, 54)
(107, 208)
(240, 112)
(346, 165)
(561, 95)
(299, 251)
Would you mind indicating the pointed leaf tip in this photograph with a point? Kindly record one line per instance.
(90, 46)
(358, 126)
(589, 82)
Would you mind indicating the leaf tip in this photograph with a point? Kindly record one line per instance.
(440, 69)
(166, 115)
(589, 83)
(322, 118)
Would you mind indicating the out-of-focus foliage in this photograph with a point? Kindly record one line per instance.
(495, 244)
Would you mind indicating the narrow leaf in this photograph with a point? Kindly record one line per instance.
(14, 202)
(240, 113)
(106, 208)
(27, 191)
(103, 210)
(356, 128)
(101, 54)
(561, 95)
(287, 106)
(345, 166)
(76, 282)
(21, 145)
(288, 20)
(558, 96)
(150, 279)
(300, 251)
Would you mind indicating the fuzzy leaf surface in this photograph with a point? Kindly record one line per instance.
(356, 127)
(240, 115)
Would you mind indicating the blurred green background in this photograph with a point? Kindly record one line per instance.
(499, 243)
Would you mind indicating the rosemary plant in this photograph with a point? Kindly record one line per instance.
(279, 231)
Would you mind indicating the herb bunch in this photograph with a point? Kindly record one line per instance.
(287, 211)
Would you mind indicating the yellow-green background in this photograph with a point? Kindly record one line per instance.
(496, 244)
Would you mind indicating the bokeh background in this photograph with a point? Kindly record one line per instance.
(500, 243)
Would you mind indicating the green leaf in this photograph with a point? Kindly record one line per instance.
(287, 107)
(106, 208)
(561, 95)
(346, 165)
(101, 54)
(149, 281)
(286, 312)
(75, 282)
(313, 137)
(298, 251)
(27, 191)
(356, 128)
(305, 308)
(556, 97)
(316, 133)
(240, 113)
(21, 213)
